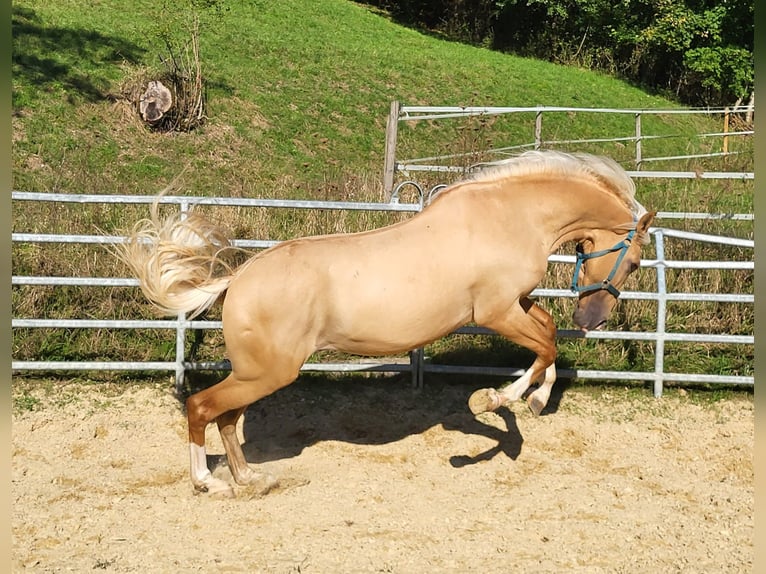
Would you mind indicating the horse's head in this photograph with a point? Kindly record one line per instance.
(602, 267)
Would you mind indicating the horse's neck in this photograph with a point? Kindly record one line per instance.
(561, 210)
(582, 208)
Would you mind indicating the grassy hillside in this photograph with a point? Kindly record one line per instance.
(298, 94)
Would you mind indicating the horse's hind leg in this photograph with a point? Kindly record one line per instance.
(241, 471)
(225, 403)
(529, 326)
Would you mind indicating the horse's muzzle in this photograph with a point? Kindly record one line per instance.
(592, 312)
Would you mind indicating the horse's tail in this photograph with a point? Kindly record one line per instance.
(178, 261)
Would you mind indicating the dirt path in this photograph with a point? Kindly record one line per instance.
(376, 478)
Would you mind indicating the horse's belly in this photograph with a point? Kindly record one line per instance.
(390, 327)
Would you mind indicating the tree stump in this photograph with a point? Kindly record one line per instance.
(155, 102)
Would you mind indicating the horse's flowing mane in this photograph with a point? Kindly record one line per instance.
(604, 170)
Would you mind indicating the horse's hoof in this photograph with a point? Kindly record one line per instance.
(214, 488)
(257, 481)
(535, 404)
(262, 484)
(259, 487)
(484, 400)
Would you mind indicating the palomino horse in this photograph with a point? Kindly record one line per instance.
(472, 255)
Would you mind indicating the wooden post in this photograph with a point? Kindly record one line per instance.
(389, 158)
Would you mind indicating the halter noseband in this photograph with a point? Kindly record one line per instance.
(606, 284)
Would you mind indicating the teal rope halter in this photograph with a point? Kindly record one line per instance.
(606, 284)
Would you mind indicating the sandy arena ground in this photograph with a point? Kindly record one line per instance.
(374, 477)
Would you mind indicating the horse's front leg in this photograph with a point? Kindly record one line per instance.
(532, 327)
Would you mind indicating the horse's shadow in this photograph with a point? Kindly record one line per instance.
(373, 411)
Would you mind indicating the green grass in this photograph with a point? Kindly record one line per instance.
(298, 94)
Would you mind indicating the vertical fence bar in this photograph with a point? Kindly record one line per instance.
(389, 158)
(180, 352)
(638, 141)
(726, 115)
(539, 128)
(417, 356)
(659, 348)
(181, 330)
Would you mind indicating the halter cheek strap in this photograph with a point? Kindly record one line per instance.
(606, 284)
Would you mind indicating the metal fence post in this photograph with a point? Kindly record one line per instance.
(416, 367)
(659, 348)
(180, 352)
(538, 128)
(639, 158)
(181, 330)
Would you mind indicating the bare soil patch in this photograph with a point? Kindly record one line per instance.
(374, 477)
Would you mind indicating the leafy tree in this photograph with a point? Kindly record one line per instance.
(701, 54)
(699, 51)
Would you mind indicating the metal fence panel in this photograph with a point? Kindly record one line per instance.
(417, 364)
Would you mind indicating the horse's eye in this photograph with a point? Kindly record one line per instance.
(579, 248)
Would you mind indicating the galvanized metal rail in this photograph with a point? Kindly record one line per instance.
(417, 364)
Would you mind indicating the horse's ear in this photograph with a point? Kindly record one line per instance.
(645, 222)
